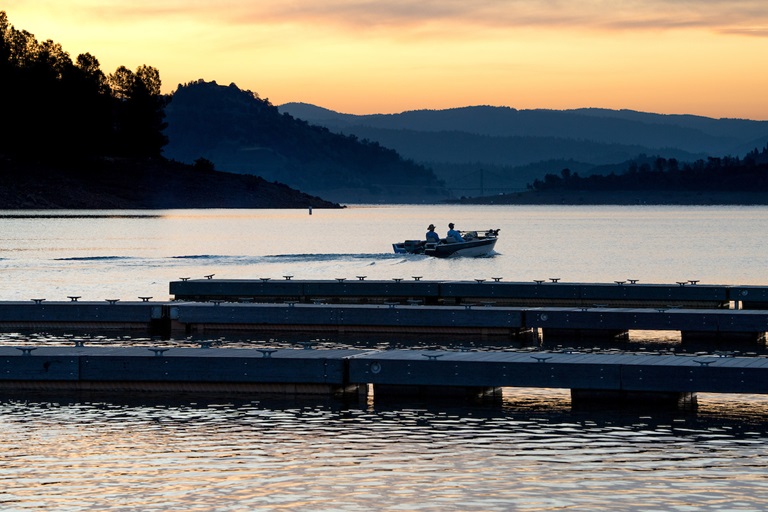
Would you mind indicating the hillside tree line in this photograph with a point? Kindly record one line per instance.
(726, 174)
(56, 109)
(239, 131)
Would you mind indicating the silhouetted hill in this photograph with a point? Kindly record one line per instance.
(508, 142)
(243, 133)
(75, 137)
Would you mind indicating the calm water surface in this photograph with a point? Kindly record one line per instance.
(530, 451)
(124, 254)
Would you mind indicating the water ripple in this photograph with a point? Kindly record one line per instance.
(98, 454)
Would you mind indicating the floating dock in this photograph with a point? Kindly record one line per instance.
(127, 369)
(709, 313)
(491, 307)
(494, 291)
(110, 314)
(347, 318)
(590, 377)
(554, 323)
(559, 311)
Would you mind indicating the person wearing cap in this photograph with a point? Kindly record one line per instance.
(453, 234)
(431, 235)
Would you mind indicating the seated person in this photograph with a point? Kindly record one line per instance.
(453, 235)
(431, 235)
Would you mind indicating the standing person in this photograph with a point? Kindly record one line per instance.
(431, 235)
(452, 233)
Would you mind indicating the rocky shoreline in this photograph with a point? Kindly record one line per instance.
(145, 184)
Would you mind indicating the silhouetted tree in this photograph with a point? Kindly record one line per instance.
(54, 109)
(139, 111)
(203, 164)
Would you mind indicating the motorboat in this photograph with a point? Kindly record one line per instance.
(476, 243)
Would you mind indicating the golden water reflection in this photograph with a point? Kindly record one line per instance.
(529, 452)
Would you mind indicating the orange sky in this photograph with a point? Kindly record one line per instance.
(703, 57)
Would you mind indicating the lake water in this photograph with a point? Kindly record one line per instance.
(126, 254)
(530, 451)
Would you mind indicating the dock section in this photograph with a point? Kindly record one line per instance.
(123, 369)
(477, 308)
(41, 314)
(340, 290)
(555, 324)
(749, 297)
(588, 311)
(557, 293)
(591, 376)
(688, 294)
(725, 325)
(346, 318)
(599, 372)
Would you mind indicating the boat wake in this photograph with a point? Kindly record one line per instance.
(328, 257)
(94, 258)
(199, 257)
(196, 260)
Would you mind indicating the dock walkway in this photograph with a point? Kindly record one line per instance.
(184, 318)
(497, 307)
(597, 311)
(554, 292)
(302, 371)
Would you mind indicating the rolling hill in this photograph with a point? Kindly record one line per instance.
(242, 133)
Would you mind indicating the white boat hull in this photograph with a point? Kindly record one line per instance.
(473, 248)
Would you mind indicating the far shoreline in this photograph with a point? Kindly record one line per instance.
(622, 198)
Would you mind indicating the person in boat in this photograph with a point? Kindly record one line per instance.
(453, 235)
(431, 235)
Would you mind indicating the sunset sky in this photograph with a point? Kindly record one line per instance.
(705, 57)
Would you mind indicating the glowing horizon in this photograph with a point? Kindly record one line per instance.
(363, 57)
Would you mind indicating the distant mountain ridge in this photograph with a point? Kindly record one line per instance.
(686, 132)
(513, 146)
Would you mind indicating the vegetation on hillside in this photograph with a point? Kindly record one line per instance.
(241, 132)
(56, 109)
(728, 174)
(75, 137)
